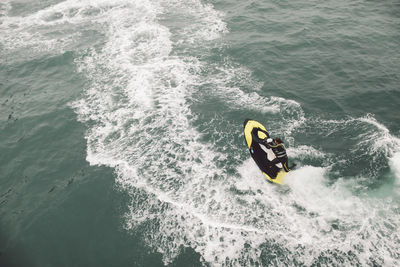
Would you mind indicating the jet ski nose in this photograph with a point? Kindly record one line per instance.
(245, 122)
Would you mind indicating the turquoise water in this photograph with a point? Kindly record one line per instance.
(121, 132)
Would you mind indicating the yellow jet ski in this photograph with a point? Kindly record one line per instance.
(262, 155)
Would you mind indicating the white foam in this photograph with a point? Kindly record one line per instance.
(57, 27)
(395, 166)
(238, 89)
(227, 82)
(375, 135)
(5, 7)
(137, 106)
(313, 216)
(379, 140)
(207, 25)
(292, 114)
(303, 152)
(372, 138)
(380, 137)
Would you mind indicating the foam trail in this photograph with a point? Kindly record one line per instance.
(382, 139)
(166, 163)
(380, 142)
(236, 87)
(56, 27)
(304, 151)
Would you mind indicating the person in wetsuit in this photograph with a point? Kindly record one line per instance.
(260, 136)
(280, 152)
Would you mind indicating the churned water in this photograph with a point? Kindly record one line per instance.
(121, 132)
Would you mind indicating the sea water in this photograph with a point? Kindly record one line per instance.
(121, 139)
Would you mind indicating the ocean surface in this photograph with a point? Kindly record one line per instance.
(121, 132)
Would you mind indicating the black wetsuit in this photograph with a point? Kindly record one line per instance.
(280, 153)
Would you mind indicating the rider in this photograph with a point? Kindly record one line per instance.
(280, 152)
(262, 137)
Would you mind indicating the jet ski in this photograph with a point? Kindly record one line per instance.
(262, 155)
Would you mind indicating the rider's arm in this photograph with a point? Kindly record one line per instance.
(281, 151)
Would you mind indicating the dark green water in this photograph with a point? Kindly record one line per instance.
(121, 132)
